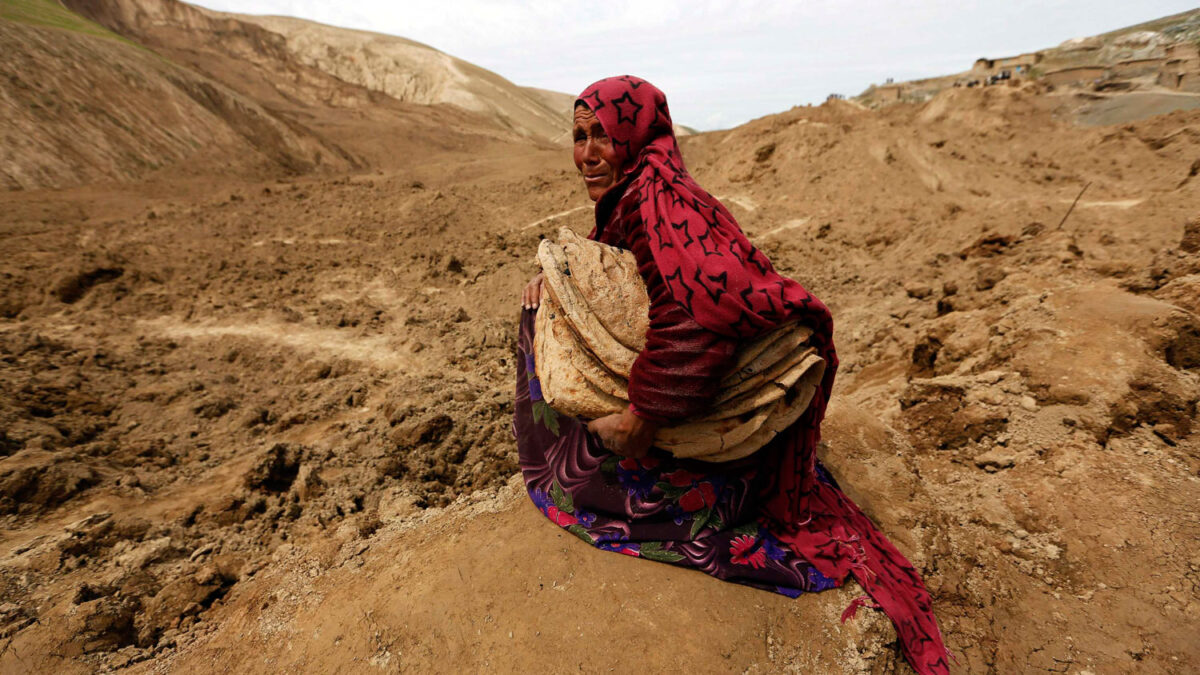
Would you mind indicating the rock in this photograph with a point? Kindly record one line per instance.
(275, 470)
(1067, 394)
(940, 411)
(147, 553)
(1029, 403)
(924, 356)
(1183, 292)
(186, 596)
(1191, 235)
(101, 625)
(426, 430)
(918, 291)
(308, 483)
(988, 245)
(988, 276)
(995, 459)
(990, 376)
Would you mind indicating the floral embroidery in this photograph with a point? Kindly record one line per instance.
(695, 496)
(626, 548)
(743, 550)
(637, 476)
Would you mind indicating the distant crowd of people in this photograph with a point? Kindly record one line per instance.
(999, 77)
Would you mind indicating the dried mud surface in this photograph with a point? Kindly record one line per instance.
(264, 422)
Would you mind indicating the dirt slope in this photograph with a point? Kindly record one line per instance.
(65, 125)
(412, 72)
(318, 63)
(177, 91)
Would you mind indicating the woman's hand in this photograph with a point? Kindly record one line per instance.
(531, 297)
(625, 433)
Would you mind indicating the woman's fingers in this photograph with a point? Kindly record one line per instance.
(531, 296)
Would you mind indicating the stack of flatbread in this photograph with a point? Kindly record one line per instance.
(592, 325)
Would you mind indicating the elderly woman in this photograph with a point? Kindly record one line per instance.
(775, 520)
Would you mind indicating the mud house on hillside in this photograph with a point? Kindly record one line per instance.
(1186, 51)
(1020, 63)
(1074, 76)
(1137, 67)
(888, 93)
(1181, 69)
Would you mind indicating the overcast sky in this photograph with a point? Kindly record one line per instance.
(724, 62)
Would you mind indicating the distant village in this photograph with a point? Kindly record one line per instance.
(1133, 61)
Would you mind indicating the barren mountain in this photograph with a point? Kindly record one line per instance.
(252, 421)
(127, 89)
(80, 108)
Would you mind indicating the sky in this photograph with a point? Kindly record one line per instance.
(724, 62)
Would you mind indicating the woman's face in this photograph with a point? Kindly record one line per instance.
(594, 154)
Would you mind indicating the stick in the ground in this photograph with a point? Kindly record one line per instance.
(1064, 220)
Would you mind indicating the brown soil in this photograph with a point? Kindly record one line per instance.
(258, 420)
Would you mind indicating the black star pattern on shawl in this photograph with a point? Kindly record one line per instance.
(634, 108)
(746, 293)
(710, 217)
(660, 120)
(683, 225)
(645, 192)
(662, 241)
(707, 237)
(593, 101)
(677, 275)
(756, 258)
(713, 294)
(633, 84)
(772, 310)
(676, 198)
(744, 324)
(787, 304)
(624, 144)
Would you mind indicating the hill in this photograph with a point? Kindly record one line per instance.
(129, 89)
(1127, 74)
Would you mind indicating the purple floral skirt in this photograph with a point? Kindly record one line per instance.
(678, 511)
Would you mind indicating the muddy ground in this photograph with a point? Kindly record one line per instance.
(245, 420)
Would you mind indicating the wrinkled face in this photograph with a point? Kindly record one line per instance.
(594, 154)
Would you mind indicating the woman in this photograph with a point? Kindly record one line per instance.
(775, 520)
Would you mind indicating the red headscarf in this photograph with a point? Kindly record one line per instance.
(729, 287)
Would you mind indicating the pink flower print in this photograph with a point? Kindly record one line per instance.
(560, 518)
(743, 552)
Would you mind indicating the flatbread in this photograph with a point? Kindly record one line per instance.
(592, 324)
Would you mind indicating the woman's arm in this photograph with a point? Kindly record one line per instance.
(678, 373)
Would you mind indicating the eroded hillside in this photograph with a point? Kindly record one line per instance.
(158, 90)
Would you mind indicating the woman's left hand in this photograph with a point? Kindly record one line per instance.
(625, 433)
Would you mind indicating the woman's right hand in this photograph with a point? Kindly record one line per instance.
(531, 297)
